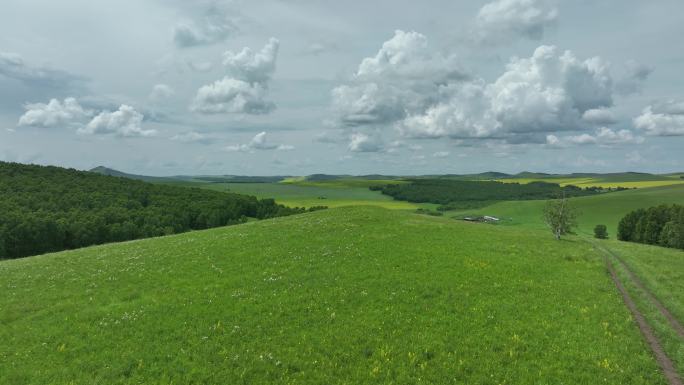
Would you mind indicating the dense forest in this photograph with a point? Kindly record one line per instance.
(661, 225)
(46, 209)
(470, 194)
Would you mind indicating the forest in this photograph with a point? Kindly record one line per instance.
(470, 194)
(660, 225)
(46, 209)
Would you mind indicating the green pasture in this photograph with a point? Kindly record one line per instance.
(354, 295)
(605, 209)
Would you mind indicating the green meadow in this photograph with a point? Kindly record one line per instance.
(605, 209)
(627, 180)
(355, 295)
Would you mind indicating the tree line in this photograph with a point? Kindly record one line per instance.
(459, 193)
(46, 209)
(661, 225)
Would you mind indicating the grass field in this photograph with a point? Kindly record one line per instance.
(359, 295)
(605, 209)
(627, 180)
(335, 193)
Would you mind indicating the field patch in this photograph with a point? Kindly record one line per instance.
(334, 193)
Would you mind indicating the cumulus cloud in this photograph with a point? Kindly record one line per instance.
(259, 142)
(548, 92)
(193, 137)
(664, 120)
(254, 67)
(54, 113)
(368, 104)
(600, 116)
(504, 20)
(465, 113)
(360, 142)
(402, 77)
(603, 136)
(161, 92)
(407, 55)
(232, 96)
(126, 121)
(424, 94)
(214, 23)
(245, 90)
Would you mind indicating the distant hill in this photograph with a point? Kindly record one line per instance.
(111, 172)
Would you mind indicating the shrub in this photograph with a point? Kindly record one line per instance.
(601, 232)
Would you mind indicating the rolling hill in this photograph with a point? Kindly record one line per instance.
(605, 209)
(356, 295)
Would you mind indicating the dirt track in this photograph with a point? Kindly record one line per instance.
(663, 360)
(674, 322)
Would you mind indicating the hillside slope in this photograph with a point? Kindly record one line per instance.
(605, 209)
(355, 295)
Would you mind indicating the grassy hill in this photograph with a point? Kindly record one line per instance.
(605, 209)
(356, 295)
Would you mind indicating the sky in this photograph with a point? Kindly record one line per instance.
(276, 87)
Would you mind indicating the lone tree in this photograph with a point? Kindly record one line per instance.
(601, 232)
(560, 216)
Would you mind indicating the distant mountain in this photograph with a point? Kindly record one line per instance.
(240, 179)
(532, 175)
(111, 172)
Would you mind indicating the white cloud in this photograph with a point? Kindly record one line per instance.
(213, 24)
(672, 107)
(401, 78)
(193, 137)
(549, 91)
(367, 104)
(465, 113)
(126, 121)
(54, 113)
(603, 136)
(600, 116)
(245, 91)
(161, 92)
(503, 20)
(230, 95)
(254, 67)
(441, 154)
(360, 142)
(259, 142)
(407, 55)
(545, 93)
(664, 121)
